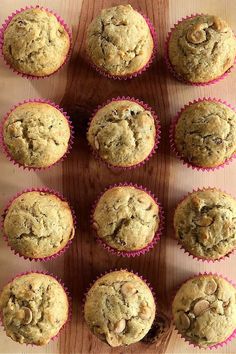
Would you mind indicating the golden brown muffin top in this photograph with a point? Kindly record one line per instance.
(122, 133)
(205, 223)
(202, 48)
(38, 224)
(205, 134)
(119, 41)
(126, 218)
(29, 311)
(204, 310)
(36, 134)
(35, 43)
(119, 308)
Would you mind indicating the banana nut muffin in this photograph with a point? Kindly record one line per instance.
(122, 133)
(204, 310)
(126, 218)
(35, 42)
(205, 223)
(119, 308)
(29, 311)
(205, 133)
(38, 224)
(119, 41)
(202, 48)
(36, 134)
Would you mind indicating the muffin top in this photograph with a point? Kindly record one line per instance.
(35, 43)
(204, 310)
(126, 218)
(205, 223)
(205, 134)
(29, 311)
(38, 224)
(36, 134)
(119, 41)
(119, 308)
(202, 48)
(122, 133)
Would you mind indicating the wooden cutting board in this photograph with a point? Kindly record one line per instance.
(80, 178)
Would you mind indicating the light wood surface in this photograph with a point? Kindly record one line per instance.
(80, 178)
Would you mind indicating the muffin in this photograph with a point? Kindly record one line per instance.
(119, 41)
(204, 310)
(29, 311)
(205, 224)
(36, 134)
(38, 224)
(119, 308)
(201, 49)
(126, 218)
(35, 42)
(205, 134)
(122, 133)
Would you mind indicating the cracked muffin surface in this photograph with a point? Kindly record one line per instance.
(29, 311)
(119, 41)
(202, 48)
(35, 43)
(36, 134)
(126, 218)
(205, 223)
(122, 133)
(205, 133)
(38, 224)
(119, 308)
(204, 310)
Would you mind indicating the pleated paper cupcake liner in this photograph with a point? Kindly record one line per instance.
(187, 252)
(157, 137)
(102, 72)
(66, 292)
(188, 341)
(172, 136)
(42, 190)
(178, 76)
(9, 19)
(156, 237)
(6, 150)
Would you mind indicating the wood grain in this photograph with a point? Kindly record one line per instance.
(79, 90)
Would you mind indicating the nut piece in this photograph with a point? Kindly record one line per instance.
(184, 321)
(196, 34)
(96, 143)
(119, 326)
(95, 225)
(204, 220)
(145, 312)
(128, 289)
(219, 24)
(200, 307)
(210, 287)
(113, 340)
(28, 315)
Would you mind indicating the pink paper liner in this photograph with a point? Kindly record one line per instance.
(172, 135)
(5, 148)
(43, 190)
(6, 23)
(170, 67)
(65, 290)
(157, 127)
(115, 270)
(198, 258)
(214, 346)
(156, 237)
(140, 71)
